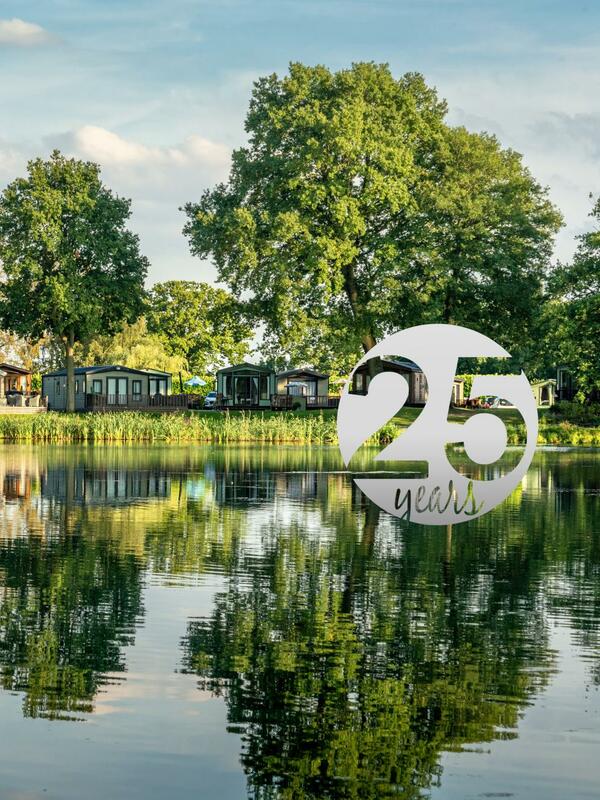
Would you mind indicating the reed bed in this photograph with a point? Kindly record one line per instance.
(260, 427)
(561, 433)
(136, 426)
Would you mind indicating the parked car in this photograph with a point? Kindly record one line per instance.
(210, 400)
(498, 402)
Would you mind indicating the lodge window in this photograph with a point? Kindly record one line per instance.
(228, 385)
(76, 387)
(96, 386)
(136, 388)
(158, 386)
(264, 387)
(57, 387)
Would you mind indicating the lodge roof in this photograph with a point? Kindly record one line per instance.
(394, 365)
(543, 382)
(301, 371)
(105, 368)
(245, 365)
(6, 367)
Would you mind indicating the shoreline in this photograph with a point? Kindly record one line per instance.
(210, 427)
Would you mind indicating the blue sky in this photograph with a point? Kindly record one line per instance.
(157, 91)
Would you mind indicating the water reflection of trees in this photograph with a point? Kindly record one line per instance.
(347, 670)
(80, 527)
(351, 649)
(67, 608)
(348, 665)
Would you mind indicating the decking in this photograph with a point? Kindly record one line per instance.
(280, 402)
(22, 410)
(136, 402)
(19, 403)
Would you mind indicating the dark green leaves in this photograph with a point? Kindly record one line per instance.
(355, 210)
(69, 262)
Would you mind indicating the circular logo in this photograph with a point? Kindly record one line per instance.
(412, 477)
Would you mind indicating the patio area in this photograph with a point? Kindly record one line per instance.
(16, 395)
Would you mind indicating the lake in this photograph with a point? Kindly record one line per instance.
(233, 622)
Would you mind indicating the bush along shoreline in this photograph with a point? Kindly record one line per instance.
(217, 428)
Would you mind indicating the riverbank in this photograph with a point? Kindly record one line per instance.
(261, 427)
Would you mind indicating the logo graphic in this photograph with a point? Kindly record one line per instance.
(441, 495)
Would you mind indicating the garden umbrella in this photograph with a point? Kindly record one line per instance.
(195, 381)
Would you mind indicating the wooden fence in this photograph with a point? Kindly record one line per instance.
(127, 402)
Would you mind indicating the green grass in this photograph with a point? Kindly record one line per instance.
(261, 426)
(551, 431)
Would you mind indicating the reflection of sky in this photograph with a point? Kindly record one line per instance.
(156, 736)
(556, 754)
(195, 488)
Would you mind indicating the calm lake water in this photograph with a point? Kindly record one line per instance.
(181, 622)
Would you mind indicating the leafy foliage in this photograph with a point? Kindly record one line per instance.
(134, 347)
(577, 413)
(575, 313)
(355, 210)
(71, 267)
(201, 324)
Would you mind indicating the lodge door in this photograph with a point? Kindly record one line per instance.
(117, 391)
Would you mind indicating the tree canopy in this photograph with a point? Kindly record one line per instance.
(575, 312)
(71, 267)
(202, 324)
(355, 209)
(134, 347)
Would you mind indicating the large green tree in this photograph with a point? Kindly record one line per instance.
(355, 210)
(575, 312)
(134, 347)
(200, 323)
(71, 267)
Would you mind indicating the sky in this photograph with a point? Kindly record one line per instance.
(156, 91)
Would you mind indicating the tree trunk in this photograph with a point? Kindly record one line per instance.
(374, 364)
(368, 342)
(449, 307)
(361, 555)
(367, 339)
(450, 295)
(69, 341)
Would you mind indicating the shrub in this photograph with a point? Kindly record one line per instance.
(578, 413)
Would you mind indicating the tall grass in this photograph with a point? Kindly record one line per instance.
(558, 433)
(263, 427)
(136, 426)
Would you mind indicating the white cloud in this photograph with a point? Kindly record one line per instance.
(159, 180)
(549, 113)
(110, 149)
(22, 34)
